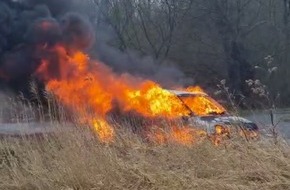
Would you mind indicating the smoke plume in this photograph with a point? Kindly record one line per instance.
(29, 29)
(132, 62)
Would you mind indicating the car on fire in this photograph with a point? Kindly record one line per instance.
(207, 114)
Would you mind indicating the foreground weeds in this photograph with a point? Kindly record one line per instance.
(75, 159)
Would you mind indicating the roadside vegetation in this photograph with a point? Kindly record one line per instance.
(78, 160)
(74, 158)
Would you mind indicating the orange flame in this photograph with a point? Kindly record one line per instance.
(183, 135)
(104, 130)
(202, 105)
(187, 136)
(94, 88)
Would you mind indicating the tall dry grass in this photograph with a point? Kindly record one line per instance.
(76, 159)
(73, 158)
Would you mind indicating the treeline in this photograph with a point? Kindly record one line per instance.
(209, 40)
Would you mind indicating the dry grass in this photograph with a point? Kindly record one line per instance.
(76, 159)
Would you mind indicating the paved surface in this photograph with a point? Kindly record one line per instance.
(281, 118)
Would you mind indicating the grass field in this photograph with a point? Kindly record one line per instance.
(75, 159)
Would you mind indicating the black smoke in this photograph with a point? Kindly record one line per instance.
(28, 31)
(164, 72)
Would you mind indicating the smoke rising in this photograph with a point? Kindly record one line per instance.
(30, 28)
(134, 63)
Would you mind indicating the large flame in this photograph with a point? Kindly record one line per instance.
(201, 105)
(182, 135)
(94, 89)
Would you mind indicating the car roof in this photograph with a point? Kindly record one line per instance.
(184, 93)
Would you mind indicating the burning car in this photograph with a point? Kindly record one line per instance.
(207, 114)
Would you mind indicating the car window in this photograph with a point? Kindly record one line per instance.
(203, 105)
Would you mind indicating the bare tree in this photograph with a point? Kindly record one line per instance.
(147, 26)
(233, 26)
(216, 38)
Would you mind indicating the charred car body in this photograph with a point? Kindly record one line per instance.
(210, 116)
